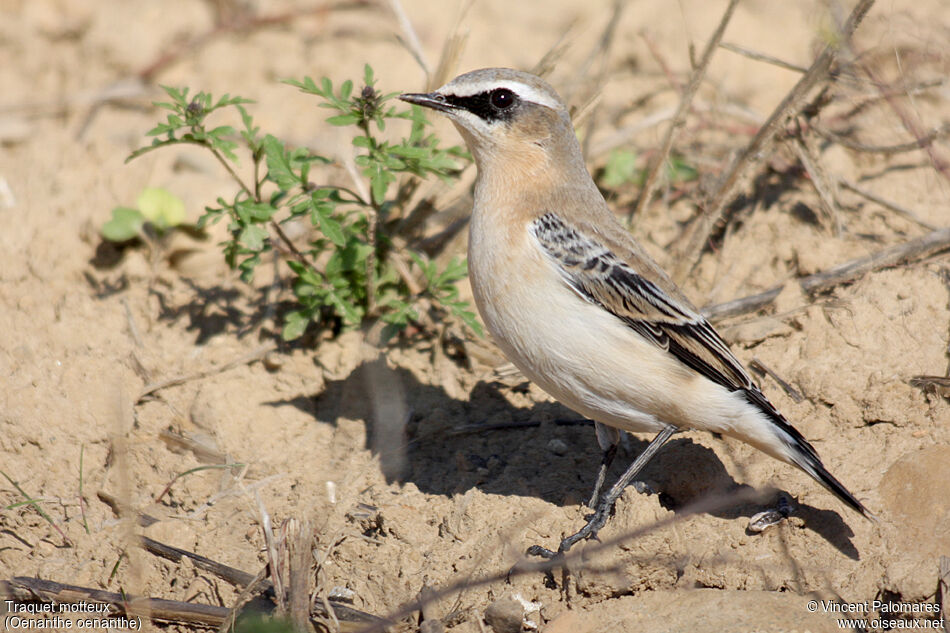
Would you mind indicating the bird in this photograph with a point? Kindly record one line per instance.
(577, 304)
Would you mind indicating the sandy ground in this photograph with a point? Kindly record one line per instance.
(84, 329)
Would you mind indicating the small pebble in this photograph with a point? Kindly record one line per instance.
(558, 447)
(273, 361)
(342, 594)
(505, 616)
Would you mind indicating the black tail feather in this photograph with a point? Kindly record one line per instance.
(804, 454)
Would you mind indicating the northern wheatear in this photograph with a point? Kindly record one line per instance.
(578, 305)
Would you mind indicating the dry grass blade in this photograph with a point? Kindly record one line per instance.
(761, 142)
(451, 50)
(301, 543)
(679, 119)
(911, 146)
(409, 39)
(35, 503)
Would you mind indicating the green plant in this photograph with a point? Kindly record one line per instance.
(158, 211)
(621, 168)
(359, 265)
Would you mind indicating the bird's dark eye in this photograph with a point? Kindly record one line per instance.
(502, 98)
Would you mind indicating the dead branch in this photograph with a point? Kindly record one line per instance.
(921, 143)
(910, 123)
(24, 589)
(234, 576)
(819, 179)
(679, 119)
(909, 252)
(762, 57)
(936, 384)
(790, 106)
(246, 359)
(744, 305)
(914, 250)
(887, 204)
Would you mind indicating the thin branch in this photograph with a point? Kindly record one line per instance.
(910, 123)
(823, 185)
(743, 305)
(762, 57)
(679, 119)
(922, 143)
(887, 204)
(914, 250)
(763, 140)
(909, 252)
(256, 355)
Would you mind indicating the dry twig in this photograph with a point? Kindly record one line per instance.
(887, 204)
(818, 177)
(912, 251)
(679, 119)
(762, 57)
(255, 355)
(760, 144)
(921, 143)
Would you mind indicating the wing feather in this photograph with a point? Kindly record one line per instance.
(601, 277)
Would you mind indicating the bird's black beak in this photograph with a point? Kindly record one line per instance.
(432, 100)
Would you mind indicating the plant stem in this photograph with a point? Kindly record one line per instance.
(256, 195)
(372, 218)
(227, 166)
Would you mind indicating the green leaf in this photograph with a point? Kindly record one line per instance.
(680, 170)
(295, 324)
(253, 237)
(321, 216)
(344, 119)
(161, 208)
(469, 318)
(279, 166)
(621, 168)
(124, 225)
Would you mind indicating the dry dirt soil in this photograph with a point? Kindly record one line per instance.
(86, 328)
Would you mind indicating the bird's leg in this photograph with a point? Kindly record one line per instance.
(608, 438)
(599, 518)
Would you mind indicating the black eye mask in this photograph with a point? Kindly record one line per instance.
(499, 104)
